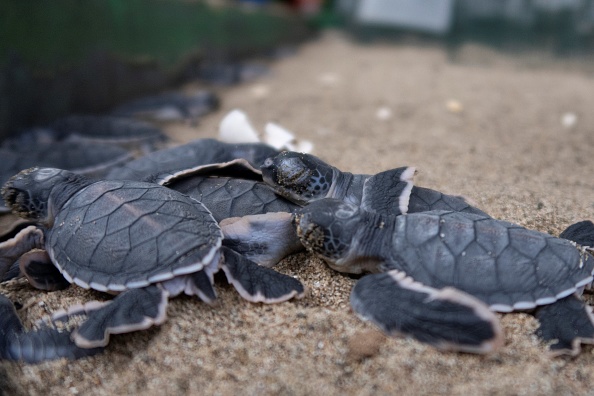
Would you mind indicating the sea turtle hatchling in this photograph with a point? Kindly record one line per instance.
(234, 191)
(442, 274)
(304, 178)
(190, 155)
(141, 240)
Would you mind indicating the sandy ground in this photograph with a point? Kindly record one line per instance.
(502, 145)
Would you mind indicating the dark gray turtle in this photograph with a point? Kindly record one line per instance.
(126, 132)
(91, 159)
(304, 178)
(170, 106)
(189, 156)
(141, 240)
(443, 273)
(234, 191)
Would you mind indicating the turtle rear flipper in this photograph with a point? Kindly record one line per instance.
(34, 346)
(37, 266)
(569, 322)
(581, 233)
(265, 239)
(134, 309)
(446, 318)
(259, 284)
(388, 192)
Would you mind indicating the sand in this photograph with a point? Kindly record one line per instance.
(491, 132)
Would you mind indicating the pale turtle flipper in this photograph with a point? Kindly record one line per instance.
(41, 273)
(36, 345)
(445, 318)
(581, 233)
(569, 322)
(10, 250)
(259, 284)
(265, 239)
(134, 309)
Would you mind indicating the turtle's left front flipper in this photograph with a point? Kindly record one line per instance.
(36, 345)
(569, 322)
(259, 284)
(447, 318)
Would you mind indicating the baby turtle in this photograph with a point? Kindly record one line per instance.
(141, 240)
(442, 274)
(90, 159)
(234, 191)
(170, 106)
(128, 133)
(189, 156)
(304, 178)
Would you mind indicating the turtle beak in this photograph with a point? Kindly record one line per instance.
(14, 192)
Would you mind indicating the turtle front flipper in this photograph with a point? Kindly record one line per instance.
(569, 322)
(37, 345)
(581, 233)
(265, 239)
(41, 273)
(132, 310)
(388, 192)
(446, 318)
(425, 199)
(11, 250)
(259, 284)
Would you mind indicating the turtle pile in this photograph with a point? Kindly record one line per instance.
(163, 224)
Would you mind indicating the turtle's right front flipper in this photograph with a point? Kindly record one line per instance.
(447, 318)
(37, 345)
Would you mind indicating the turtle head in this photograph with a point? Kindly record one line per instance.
(301, 178)
(36, 193)
(327, 227)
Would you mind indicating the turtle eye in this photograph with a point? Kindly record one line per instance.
(268, 162)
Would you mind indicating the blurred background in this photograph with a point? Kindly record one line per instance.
(70, 56)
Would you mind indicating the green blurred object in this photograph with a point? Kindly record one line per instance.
(61, 56)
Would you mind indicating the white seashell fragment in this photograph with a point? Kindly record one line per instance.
(235, 127)
(282, 139)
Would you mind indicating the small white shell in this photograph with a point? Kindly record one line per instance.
(235, 127)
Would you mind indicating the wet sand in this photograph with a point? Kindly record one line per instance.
(491, 133)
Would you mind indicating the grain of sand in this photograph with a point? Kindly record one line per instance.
(491, 133)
